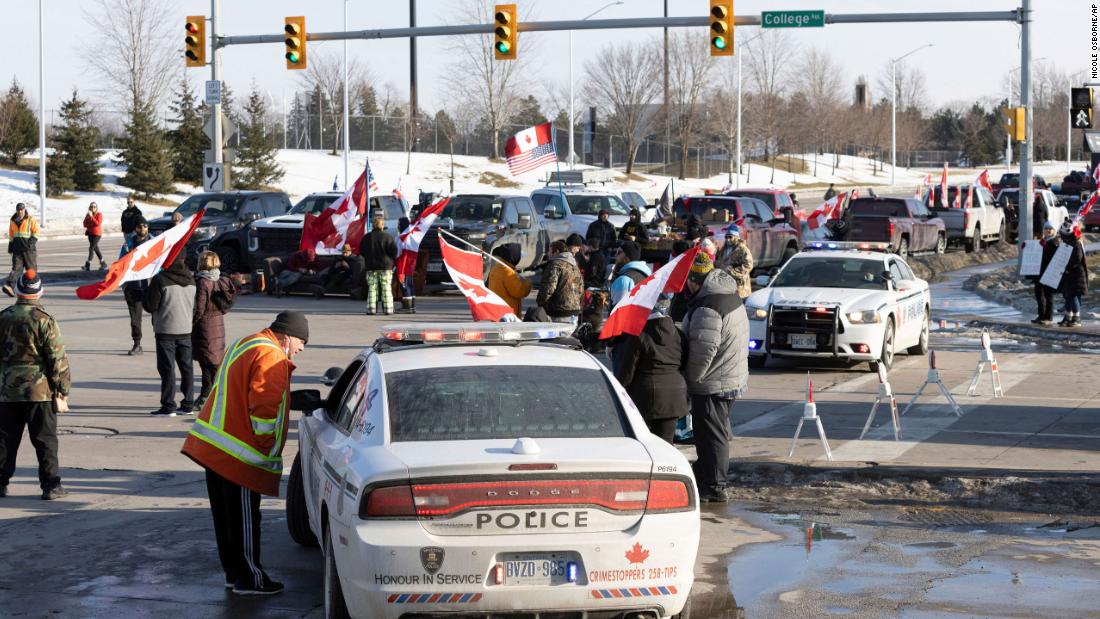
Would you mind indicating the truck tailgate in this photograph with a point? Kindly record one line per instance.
(954, 221)
(870, 228)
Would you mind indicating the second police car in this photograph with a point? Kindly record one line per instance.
(850, 301)
(488, 469)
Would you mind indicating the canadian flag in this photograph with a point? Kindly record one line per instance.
(340, 223)
(925, 182)
(631, 312)
(1087, 206)
(465, 267)
(958, 196)
(830, 209)
(943, 186)
(983, 181)
(970, 195)
(408, 241)
(145, 260)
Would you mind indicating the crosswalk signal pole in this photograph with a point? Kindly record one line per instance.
(215, 74)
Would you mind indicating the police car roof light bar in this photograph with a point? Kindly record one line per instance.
(480, 332)
(846, 246)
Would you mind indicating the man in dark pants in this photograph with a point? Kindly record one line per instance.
(716, 330)
(34, 385)
(171, 300)
(134, 291)
(1044, 295)
(22, 245)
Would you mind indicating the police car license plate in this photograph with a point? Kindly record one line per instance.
(534, 569)
(435, 267)
(805, 341)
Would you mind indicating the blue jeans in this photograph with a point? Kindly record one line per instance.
(1073, 303)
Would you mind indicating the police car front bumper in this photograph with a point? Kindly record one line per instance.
(814, 334)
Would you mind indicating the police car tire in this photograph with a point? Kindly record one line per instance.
(886, 357)
(921, 347)
(297, 517)
(335, 606)
(758, 361)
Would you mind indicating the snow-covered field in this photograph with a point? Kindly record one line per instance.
(309, 171)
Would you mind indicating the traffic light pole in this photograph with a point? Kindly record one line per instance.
(215, 74)
(1026, 181)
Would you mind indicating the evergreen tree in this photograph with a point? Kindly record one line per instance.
(75, 158)
(528, 113)
(18, 124)
(187, 140)
(256, 166)
(145, 153)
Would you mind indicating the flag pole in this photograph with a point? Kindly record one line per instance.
(554, 145)
(478, 249)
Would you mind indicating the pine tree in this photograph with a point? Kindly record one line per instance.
(145, 153)
(18, 124)
(187, 140)
(75, 159)
(256, 166)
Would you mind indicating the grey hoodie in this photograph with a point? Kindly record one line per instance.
(716, 331)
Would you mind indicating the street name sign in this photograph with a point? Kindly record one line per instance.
(792, 19)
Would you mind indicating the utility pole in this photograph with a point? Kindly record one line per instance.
(413, 106)
(347, 113)
(215, 74)
(1026, 181)
(41, 114)
(668, 107)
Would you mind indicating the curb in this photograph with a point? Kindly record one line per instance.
(873, 471)
(1047, 333)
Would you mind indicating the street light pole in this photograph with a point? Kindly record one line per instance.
(894, 109)
(737, 52)
(41, 114)
(347, 115)
(572, 122)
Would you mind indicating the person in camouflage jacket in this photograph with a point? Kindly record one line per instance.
(736, 259)
(34, 384)
(562, 288)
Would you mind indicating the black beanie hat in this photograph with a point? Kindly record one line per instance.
(574, 240)
(631, 250)
(293, 324)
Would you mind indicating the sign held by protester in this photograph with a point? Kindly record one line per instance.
(1052, 277)
(1031, 258)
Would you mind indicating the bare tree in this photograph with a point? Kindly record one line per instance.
(820, 81)
(325, 73)
(478, 79)
(133, 52)
(769, 59)
(911, 85)
(689, 67)
(620, 79)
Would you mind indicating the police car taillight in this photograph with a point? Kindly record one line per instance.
(487, 332)
(388, 502)
(668, 495)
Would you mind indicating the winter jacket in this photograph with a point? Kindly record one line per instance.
(130, 217)
(562, 290)
(595, 270)
(635, 229)
(22, 234)
(33, 363)
(736, 259)
(1039, 214)
(242, 440)
(93, 224)
(1075, 281)
(1049, 249)
(170, 298)
(649, 368)
(716, 328)
(509, 286)
(134, 291)
(304, 260)
(604, 231)
(208, 323)
(696, 230)
(379, 250)
(628, 277)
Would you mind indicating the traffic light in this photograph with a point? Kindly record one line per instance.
(721, 27)
(295, 28)
(1080, 112)
(1016, 123)
(504, 48)
(194, 44)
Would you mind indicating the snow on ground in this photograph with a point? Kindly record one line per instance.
(310, 171)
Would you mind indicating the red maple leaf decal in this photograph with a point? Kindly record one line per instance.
(527, 138)
(637, 554)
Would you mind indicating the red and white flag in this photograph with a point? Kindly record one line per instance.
(830, 209)
(924, 182)
(631, 312)
(397, 193)
(408, 241)
(955, 203)
(1087, 206)
(1096, 174)
(943, 186)
(145, 260)
(531, 148)
(465, 267)
(342, 222)
(983, 181)
(970, 195)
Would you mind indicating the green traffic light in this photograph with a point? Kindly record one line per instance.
(291, 56)
(719, 42)
(502, 47)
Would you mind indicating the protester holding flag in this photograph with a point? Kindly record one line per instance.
(171, 300)
(379, 252)
(716, 331)
(649, 367)
(562, 288)
(1075, 279)
(134, 291)
(629, 270)
(505, 281)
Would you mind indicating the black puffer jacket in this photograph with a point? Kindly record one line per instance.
(1075, 281)
(604, 231)
(650, 366)
(378, 250)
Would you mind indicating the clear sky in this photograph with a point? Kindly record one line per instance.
(969, 60)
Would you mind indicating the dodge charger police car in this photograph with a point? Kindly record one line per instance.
(489, 469)
(836, 300)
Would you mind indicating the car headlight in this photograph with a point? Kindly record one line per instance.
(757, 313)
(475, 236)
(865, 316)
(203, 233)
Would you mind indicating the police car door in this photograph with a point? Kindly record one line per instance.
(907, 322)
(332, 447)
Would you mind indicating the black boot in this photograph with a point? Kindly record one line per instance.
(87, 266)
(136, 350)
(102, 265)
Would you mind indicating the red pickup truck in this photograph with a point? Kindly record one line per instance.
(905, 223)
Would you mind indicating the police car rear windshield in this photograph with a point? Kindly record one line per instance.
(819, 272)
(501, 402)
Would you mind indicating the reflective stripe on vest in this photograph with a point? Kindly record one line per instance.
(236, 448)
(22, 229)
(241, 346)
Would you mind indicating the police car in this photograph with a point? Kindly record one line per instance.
(489, 469)
(851, 301)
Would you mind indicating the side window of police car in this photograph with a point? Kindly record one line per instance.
(906, 272)
(895, 271)
(336, 395)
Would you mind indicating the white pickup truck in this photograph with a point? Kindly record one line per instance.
(1009, 200)
(974, 226)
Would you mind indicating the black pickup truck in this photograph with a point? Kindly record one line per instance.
(904, 223)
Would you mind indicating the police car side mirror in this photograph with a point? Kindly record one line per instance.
(331, 375)
(886, 275)
(305, 400)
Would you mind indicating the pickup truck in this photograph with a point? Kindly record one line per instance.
(973, 226)
(778, 200)
(770, 239)
(1009, 201)
(1012, 179)
(904, 223)
(487, 221)
(1076, 187)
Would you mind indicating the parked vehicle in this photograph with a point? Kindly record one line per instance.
(973, 226)
(778, 200)
(1012, 179)
(278, 237)
(487, 221)
(770, 239)
(903, 223)
(224, 227)
(1009, 201)
(582, 206)
(1076, 184)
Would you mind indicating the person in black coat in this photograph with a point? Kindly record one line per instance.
(130, 217)
(379, 253)
(595, 272)
(650, 370)
(1039, 216)
(1075, 279)
(1044, 295)
(603, 230)
(634, 229)
(696, 230)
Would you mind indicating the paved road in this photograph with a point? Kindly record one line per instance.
(134, 538)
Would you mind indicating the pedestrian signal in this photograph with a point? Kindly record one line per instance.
(1080, 112)
(504, 47)
(721, 27)
(295, 28)
(194, 44)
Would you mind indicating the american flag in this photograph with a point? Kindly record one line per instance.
(371, 185)
(531, 148)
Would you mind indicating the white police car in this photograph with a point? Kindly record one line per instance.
(488, 469)
(848, 301)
